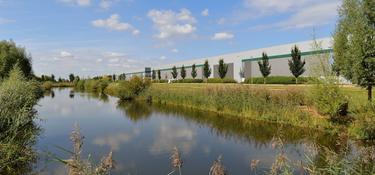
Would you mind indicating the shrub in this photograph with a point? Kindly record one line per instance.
(219, 80)
(17, 128)
(329, 100)
(278, 80)
(364, 125)
(189, 81)
(128, 90)
(47, 85)
(159, 81)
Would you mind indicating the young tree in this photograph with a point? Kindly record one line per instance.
(153, 76)
(354, 43)
(206, 69)
(193, 71)
(264, 66)
(122, 76)
(296, 65)
(53, 78)
(183, 72)
(174, 72)
(223, 68)
(113, 77)
(71, 77)
(159, 75)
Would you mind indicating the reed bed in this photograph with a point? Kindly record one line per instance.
(250, 102)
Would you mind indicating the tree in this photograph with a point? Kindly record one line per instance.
(206, 69)
(354, 43)
(183, 72)
(153, 76)
(113, 77)
(264, 66)
(53, 78)
(122, 76)
(223, 68)
(11, 55)
(71, 77)
(296, 65)
(159, 75)
(174, 72)
(193, 71)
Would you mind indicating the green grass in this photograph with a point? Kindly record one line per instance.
(245, 101)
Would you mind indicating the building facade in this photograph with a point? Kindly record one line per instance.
(247, 61)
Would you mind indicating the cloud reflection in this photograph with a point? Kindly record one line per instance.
(114, 141)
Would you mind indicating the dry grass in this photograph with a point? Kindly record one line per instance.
(218, 168)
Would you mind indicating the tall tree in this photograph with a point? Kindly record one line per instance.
(296, 65)
(159, 74)
(354, 43)
(264, 66)
(113, 77)
(71, 77)
(223, 68)
(206, 69)
(193, 71)
(183, 72)
(153, 74)
(10, 55)
(174, 72)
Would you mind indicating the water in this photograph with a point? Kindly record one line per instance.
(143, 136)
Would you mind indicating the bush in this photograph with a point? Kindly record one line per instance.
(17, 128)
(47, 85)
(188, 81)
(329, 100)
(278, 80)
(219, 80)
(128, 90)
(159, 81)
(364, 125)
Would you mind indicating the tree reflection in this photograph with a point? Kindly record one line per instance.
(135, 110)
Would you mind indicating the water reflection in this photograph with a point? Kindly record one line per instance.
(135, 111)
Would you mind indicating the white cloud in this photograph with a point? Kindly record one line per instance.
(65, 54)
(315, 15)
(221, 21)
(78, 2)
(113, 23)
(163, 57)
(99, 60)
(205, 12)
(275, 6)
(175, 50)
(171, 24)
(222, 36)
(107, 4)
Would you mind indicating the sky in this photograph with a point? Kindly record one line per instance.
(96, 37)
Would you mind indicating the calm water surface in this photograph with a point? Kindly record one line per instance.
(142, 136)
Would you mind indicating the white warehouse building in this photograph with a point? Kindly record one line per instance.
(247, 61)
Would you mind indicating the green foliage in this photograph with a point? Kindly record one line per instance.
(47, 85)
(128, 90)
(10, 55)
(363, 127)
(71, 77)
(17, 128)
(189, 81)
(278, 80)
(183, 72)
(296, 65)
(193, 71)
(206, 69)
(264, 66)
(122, 76)
(329, 100)
(174, 72)
(219, 80)
(91, 85)
(223, 68)
(241, 101)
(159, 81)
(354, 45)
(153, 76)
(159, 75)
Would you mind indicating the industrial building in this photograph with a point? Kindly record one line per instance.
(247, 62)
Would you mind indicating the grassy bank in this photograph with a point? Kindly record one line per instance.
(286, 106)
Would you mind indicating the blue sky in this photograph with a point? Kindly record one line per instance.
(93, 37)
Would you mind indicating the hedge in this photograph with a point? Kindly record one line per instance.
(219, 80)
(278, 80)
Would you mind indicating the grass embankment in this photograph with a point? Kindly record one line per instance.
(287, 106)
(48, 85)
